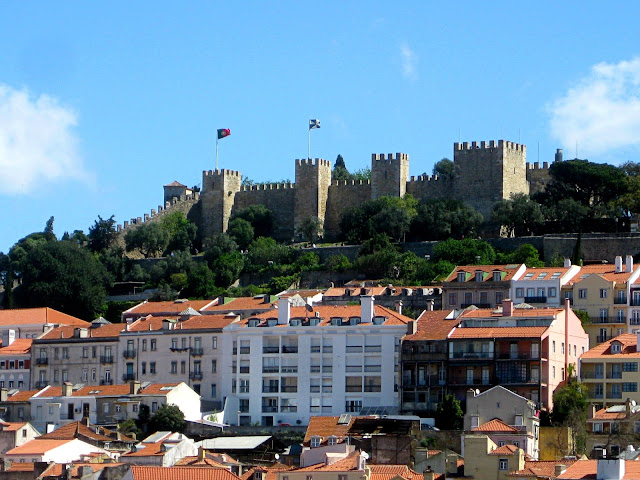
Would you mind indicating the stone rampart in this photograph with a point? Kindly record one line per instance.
(342, 195)
(184, 204)
(427, 187)
(538, 176)
(277, 197)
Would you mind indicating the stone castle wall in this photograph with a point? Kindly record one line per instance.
(277, 197)
(427, 187)
(537, 176)
(344, 194)
(389, 175)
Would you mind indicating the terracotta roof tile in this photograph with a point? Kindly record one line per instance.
(587, 469)
(168, 308)
(629, 343)
(238, 304)
(110, 390)
(324, 427)
(268, 473)
(198, 462)
(504, 450)
(22, 395)
(516, 312)
(20, 346)
(498, 332)
(22, 467)
(433, 325)
(11, 426)
(495, 425)
(181, 473)
(74, 430)
(350, 462)
(37, 447)
(387, 472)
(105, 331)
(509, 270)
(38, 316)
(147, 450)
(540, 468)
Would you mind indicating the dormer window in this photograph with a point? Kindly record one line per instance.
(354, 320)
(336, 321)
(616, 347)
(461, 276)
(315, 441)
(295, 322)
(272, 322)
(314, 321)
(478, 277)
(257, 475)
(496, 276)
(332, 440)
(253, 322)
(378, 320)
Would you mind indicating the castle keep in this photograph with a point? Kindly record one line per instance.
(484, 174)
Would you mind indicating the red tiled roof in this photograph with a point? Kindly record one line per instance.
(433, 325)
(151, 323)
(498, 332)
(495, 425)
(147, 449)
(22, 395)
(104, 331)
(168, 307)
(38, 316)
(516, 312)
(629, 343)
(198, 462)
(355, 291)
(175, 183)
(37, 447)
(587, 469)
(350, 462)
(20, 346)
(387, 472)
(254, 304)
(181, 473)
(536, 271)
(540, 468)
(324, 427)
(110, 390)
(22, 467)
(509, 270)
(74, 430)
(11, 426)
(268, 473)
(326, 312)
(504, 450)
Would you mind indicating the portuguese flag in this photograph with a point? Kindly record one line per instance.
(223, 132)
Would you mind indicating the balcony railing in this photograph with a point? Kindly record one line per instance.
(106, 359)
(42, 383)
(289, 388)
(269, 409)
(195, 375)
(289, 349)
(270, 349)
(535, 299)
(620, 300)
(129, 354)
(196, 351)
(128, 376)
(471, 355)
(518, 356)
(514, 378)
(612, 394)
(271, 369)
(288, 408)
(106, 381)
(592, 375)
(245, 350)
(289, 369)
(270, 389)
(42, 361)
(608, 320)
(244, 369)
(614, 374)
(635, 301)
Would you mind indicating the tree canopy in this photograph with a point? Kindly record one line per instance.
(449, 415)
(168, 418)
(444, 168)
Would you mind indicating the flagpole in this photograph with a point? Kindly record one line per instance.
(216, 150)
(309, 132)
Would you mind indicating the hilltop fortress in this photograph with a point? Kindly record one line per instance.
(485, 173)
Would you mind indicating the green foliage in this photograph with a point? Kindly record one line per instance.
(340, 172)
(279, 284)
(389, 215)
(179, 281)
(310, 229)
(168, 418)
(570, 409)
(241, 231)
(584, 316)
(48, 228)
(260, 218)
(449, 415)
(149, 238)
(526, 253)
(445, 218)
(102, 234)
(264, 251)
(115, 309)
(465, 252)
(444, 168)
(202, 283)
(337, 263)
(115, 262)
(181, 232)
(217, 245)
(308, 261)
(519, 216)
(63, 276)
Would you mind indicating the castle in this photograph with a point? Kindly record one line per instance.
(484, 174)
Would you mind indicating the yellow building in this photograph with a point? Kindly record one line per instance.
(484, 459)
(610, 370)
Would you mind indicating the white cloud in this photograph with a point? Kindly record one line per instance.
(602, 112)
(37, 142)
(409, 61)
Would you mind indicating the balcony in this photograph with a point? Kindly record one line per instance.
(270, 350)
(175, 348)
(196, 351)
(106, 381)
(270, 389)
(620, 300)
(315, 349)
(372, 388)
(106, 359)
(269, 409)
(603, 338)
(289, 349)
(471, 355)
(42, 383)
(288, 408)
(128, 377)
(635, 301)
(289, 369)
(289, 388)
(519, 356)
(535, 299)
(601, 320)
(614, 394)
(614, 374)
(592, 375)
(42, 361)
(516, 379)
(244, 369)
(245, 350)
(270, 369)
(195, 375)
(129, 354)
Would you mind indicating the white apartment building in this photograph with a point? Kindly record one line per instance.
(286, 365)
(542, 287)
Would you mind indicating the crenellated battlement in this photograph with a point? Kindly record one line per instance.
(335, 183)
(536, 166)
(316, 162)
(425, 178)
(375, 157)
(488, 145)
(160, 211)
(221, 172)
(267, 186)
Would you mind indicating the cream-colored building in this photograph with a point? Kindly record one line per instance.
(484, 459)
(542, 287)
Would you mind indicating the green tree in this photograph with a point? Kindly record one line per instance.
(311, 229)
(168, 418)
(525, 253)
(444, 168)
(449, 415)
(519, 215)
(260, 218)
(241, 231)
(337, 263)
(465, 252)
(389, 215)
(149, 238)
(180, 231)
(102, 234)
(265, 251)
(202, 283)
(570, 410)
(48, 228)
(584, 316)
(63, 276)
(445, 218)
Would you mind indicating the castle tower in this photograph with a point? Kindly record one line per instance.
(486, 173)
(389, 175)
(313, 178)
(219, 188)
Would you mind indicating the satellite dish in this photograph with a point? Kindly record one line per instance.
(277, 456)
(365, 455)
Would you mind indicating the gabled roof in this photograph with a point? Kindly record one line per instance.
(494, 426)
(20, 346)
(587, 469)
(11, 426)
(387, 472)
(541, 468)
(175, 183)
(498, 332)
(38, 316)
(66, 332)
(169, 307)
(433, 325)
(79, 429)
(507, 271)
(22, 396)
(181, 473)
(325, 427)
(237, 304)
(350, 462)
(151, 323)
(614, 412)
(37, 447)
(268, 473)
(505, 450)
(516, 312)
(109, 390)
(629, 343)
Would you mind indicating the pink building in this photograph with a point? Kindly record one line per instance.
(527, 350)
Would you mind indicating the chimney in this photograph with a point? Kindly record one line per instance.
(362, 461)
(399, 307)
(628, 264)
(67, 389)
(134, 387)
(628, 408)
(202, 454)
(430, 304)
(567, 262)
(284, 311)
(507, 307)
(412, 327)
(4, 394)
(366, 308)
(80, 332)
(591, 411)
(559, 469)
(610, 469)
(428, 474)
(618, 264)
(8, 336)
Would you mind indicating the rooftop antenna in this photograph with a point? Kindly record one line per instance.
(576, 149)
(538, 152)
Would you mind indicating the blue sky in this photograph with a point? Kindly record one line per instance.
(102, 103)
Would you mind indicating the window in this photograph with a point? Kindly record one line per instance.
(531, 292)
(174, 343)
(105, 408)
(554, 371)
(134, 407)
(503, 464)
(214, 390)
(214, 342)
(65, 376)
(85, 352)
(630, 367)
(553, 346)
(479, 276)
(144, 368)
(244, 405)
(603, 293)
(629, 387)
(541, 292)
(332, 440)
(56, 353)
(93, 374)
(214, 366)
(152, 368)
(582, 293)
(616, 347)
(144, 345)
(183, 367)
(562, 348)
(315, 442)
(552, 292)
(498, 298)
(65, 352)
(520, 292)
(85, 375)
(174, 367)
(352, 406)
(453, 298)
(153, 344)
(154, 406)
(597, 428)
(461, 276)
(55, 376)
